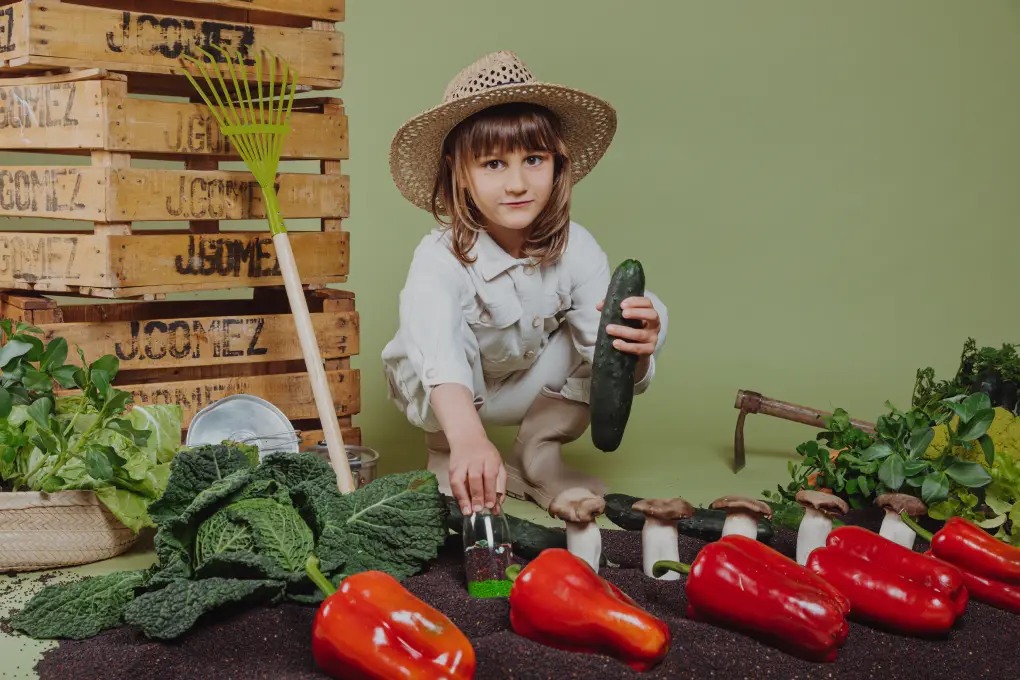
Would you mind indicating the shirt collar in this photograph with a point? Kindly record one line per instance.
(492, 260)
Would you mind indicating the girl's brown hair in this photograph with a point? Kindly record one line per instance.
(504, 128)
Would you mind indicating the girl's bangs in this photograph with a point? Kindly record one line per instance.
(511, 128)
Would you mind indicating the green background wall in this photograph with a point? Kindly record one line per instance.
(824, 194)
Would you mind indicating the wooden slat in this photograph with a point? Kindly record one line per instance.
(334, 10)
(274, 11)
(199, 339)
(99, 194)
(45, 33)
(352, 435)
(149, 263)
(94, 112)
(290, 392)
(169, 128)
(59, 114)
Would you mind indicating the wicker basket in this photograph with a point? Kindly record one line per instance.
(62, 529)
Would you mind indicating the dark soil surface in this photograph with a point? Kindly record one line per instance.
(275, 642)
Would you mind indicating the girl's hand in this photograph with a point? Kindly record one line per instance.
(477, 475)
(641, 340)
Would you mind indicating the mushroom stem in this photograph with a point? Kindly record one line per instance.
(740, 524)
(811, 534)
(659, 542)
(896, 531)
(585, 541)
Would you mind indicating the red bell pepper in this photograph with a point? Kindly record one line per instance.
(372, 628)
(789, 568)
(922, 569)
(558, 600)
(736, 584)
(881, 596)
(968, 546)
(1001, 595)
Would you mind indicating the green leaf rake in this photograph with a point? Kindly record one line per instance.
(255, 127)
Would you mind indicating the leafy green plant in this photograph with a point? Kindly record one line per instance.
(845, 475)
(233, 530)
(83, 440)
(893, 458)
(995, 372)
(1003, 500)
(907, 436)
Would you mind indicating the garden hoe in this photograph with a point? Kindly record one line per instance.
(256, 127)
(752, 402)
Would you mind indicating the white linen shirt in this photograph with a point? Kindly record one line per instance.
(477, 324)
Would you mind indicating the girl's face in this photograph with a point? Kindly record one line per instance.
(512, 188)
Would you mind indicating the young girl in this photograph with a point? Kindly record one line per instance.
(501, 307)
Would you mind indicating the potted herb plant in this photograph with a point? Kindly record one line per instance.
(78, 469)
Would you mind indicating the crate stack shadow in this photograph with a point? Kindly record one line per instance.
(92, 89)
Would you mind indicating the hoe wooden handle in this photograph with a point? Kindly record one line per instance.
(753, 402)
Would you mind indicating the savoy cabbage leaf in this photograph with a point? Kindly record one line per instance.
(395, 524)
(294, 469)
(167, 613)
(175, 537)
(234, 532)
(193, 471)
(81, 609)
(261, 526)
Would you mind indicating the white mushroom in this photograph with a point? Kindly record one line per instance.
(893, 526)
(578, 508)
(742, 515)
(819, 508)
(659, 537)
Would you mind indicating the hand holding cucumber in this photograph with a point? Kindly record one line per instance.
(640, 340)
(627, 336)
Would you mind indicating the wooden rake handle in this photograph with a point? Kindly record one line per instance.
(313, 362)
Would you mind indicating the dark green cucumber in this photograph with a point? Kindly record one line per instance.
(612, 371)
(706, 525)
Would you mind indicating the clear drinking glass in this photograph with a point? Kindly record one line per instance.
(487, 554)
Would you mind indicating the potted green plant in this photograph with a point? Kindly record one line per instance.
(77, 467)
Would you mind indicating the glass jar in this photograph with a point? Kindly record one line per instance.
(488, 552)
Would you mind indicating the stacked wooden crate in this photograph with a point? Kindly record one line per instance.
(94, 87)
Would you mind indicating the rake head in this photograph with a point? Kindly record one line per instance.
(253, 121)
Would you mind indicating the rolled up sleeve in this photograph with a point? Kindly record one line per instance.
(432, 321)
(432, 337)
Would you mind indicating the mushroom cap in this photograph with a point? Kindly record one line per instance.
(742, 504)
(823, 502)
(664, 508)
(577, 505)
(901, 502)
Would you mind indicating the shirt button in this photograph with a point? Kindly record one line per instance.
(529, 269)
(537, 321)
(486, 317)
(431, 373)
(529, 355)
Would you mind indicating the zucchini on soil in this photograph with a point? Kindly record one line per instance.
(612, 372)
(706, 525)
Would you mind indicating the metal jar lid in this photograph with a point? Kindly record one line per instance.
(245, 419)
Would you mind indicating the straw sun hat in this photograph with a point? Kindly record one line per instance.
(588, 123)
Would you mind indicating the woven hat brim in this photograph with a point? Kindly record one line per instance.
(588, 124)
